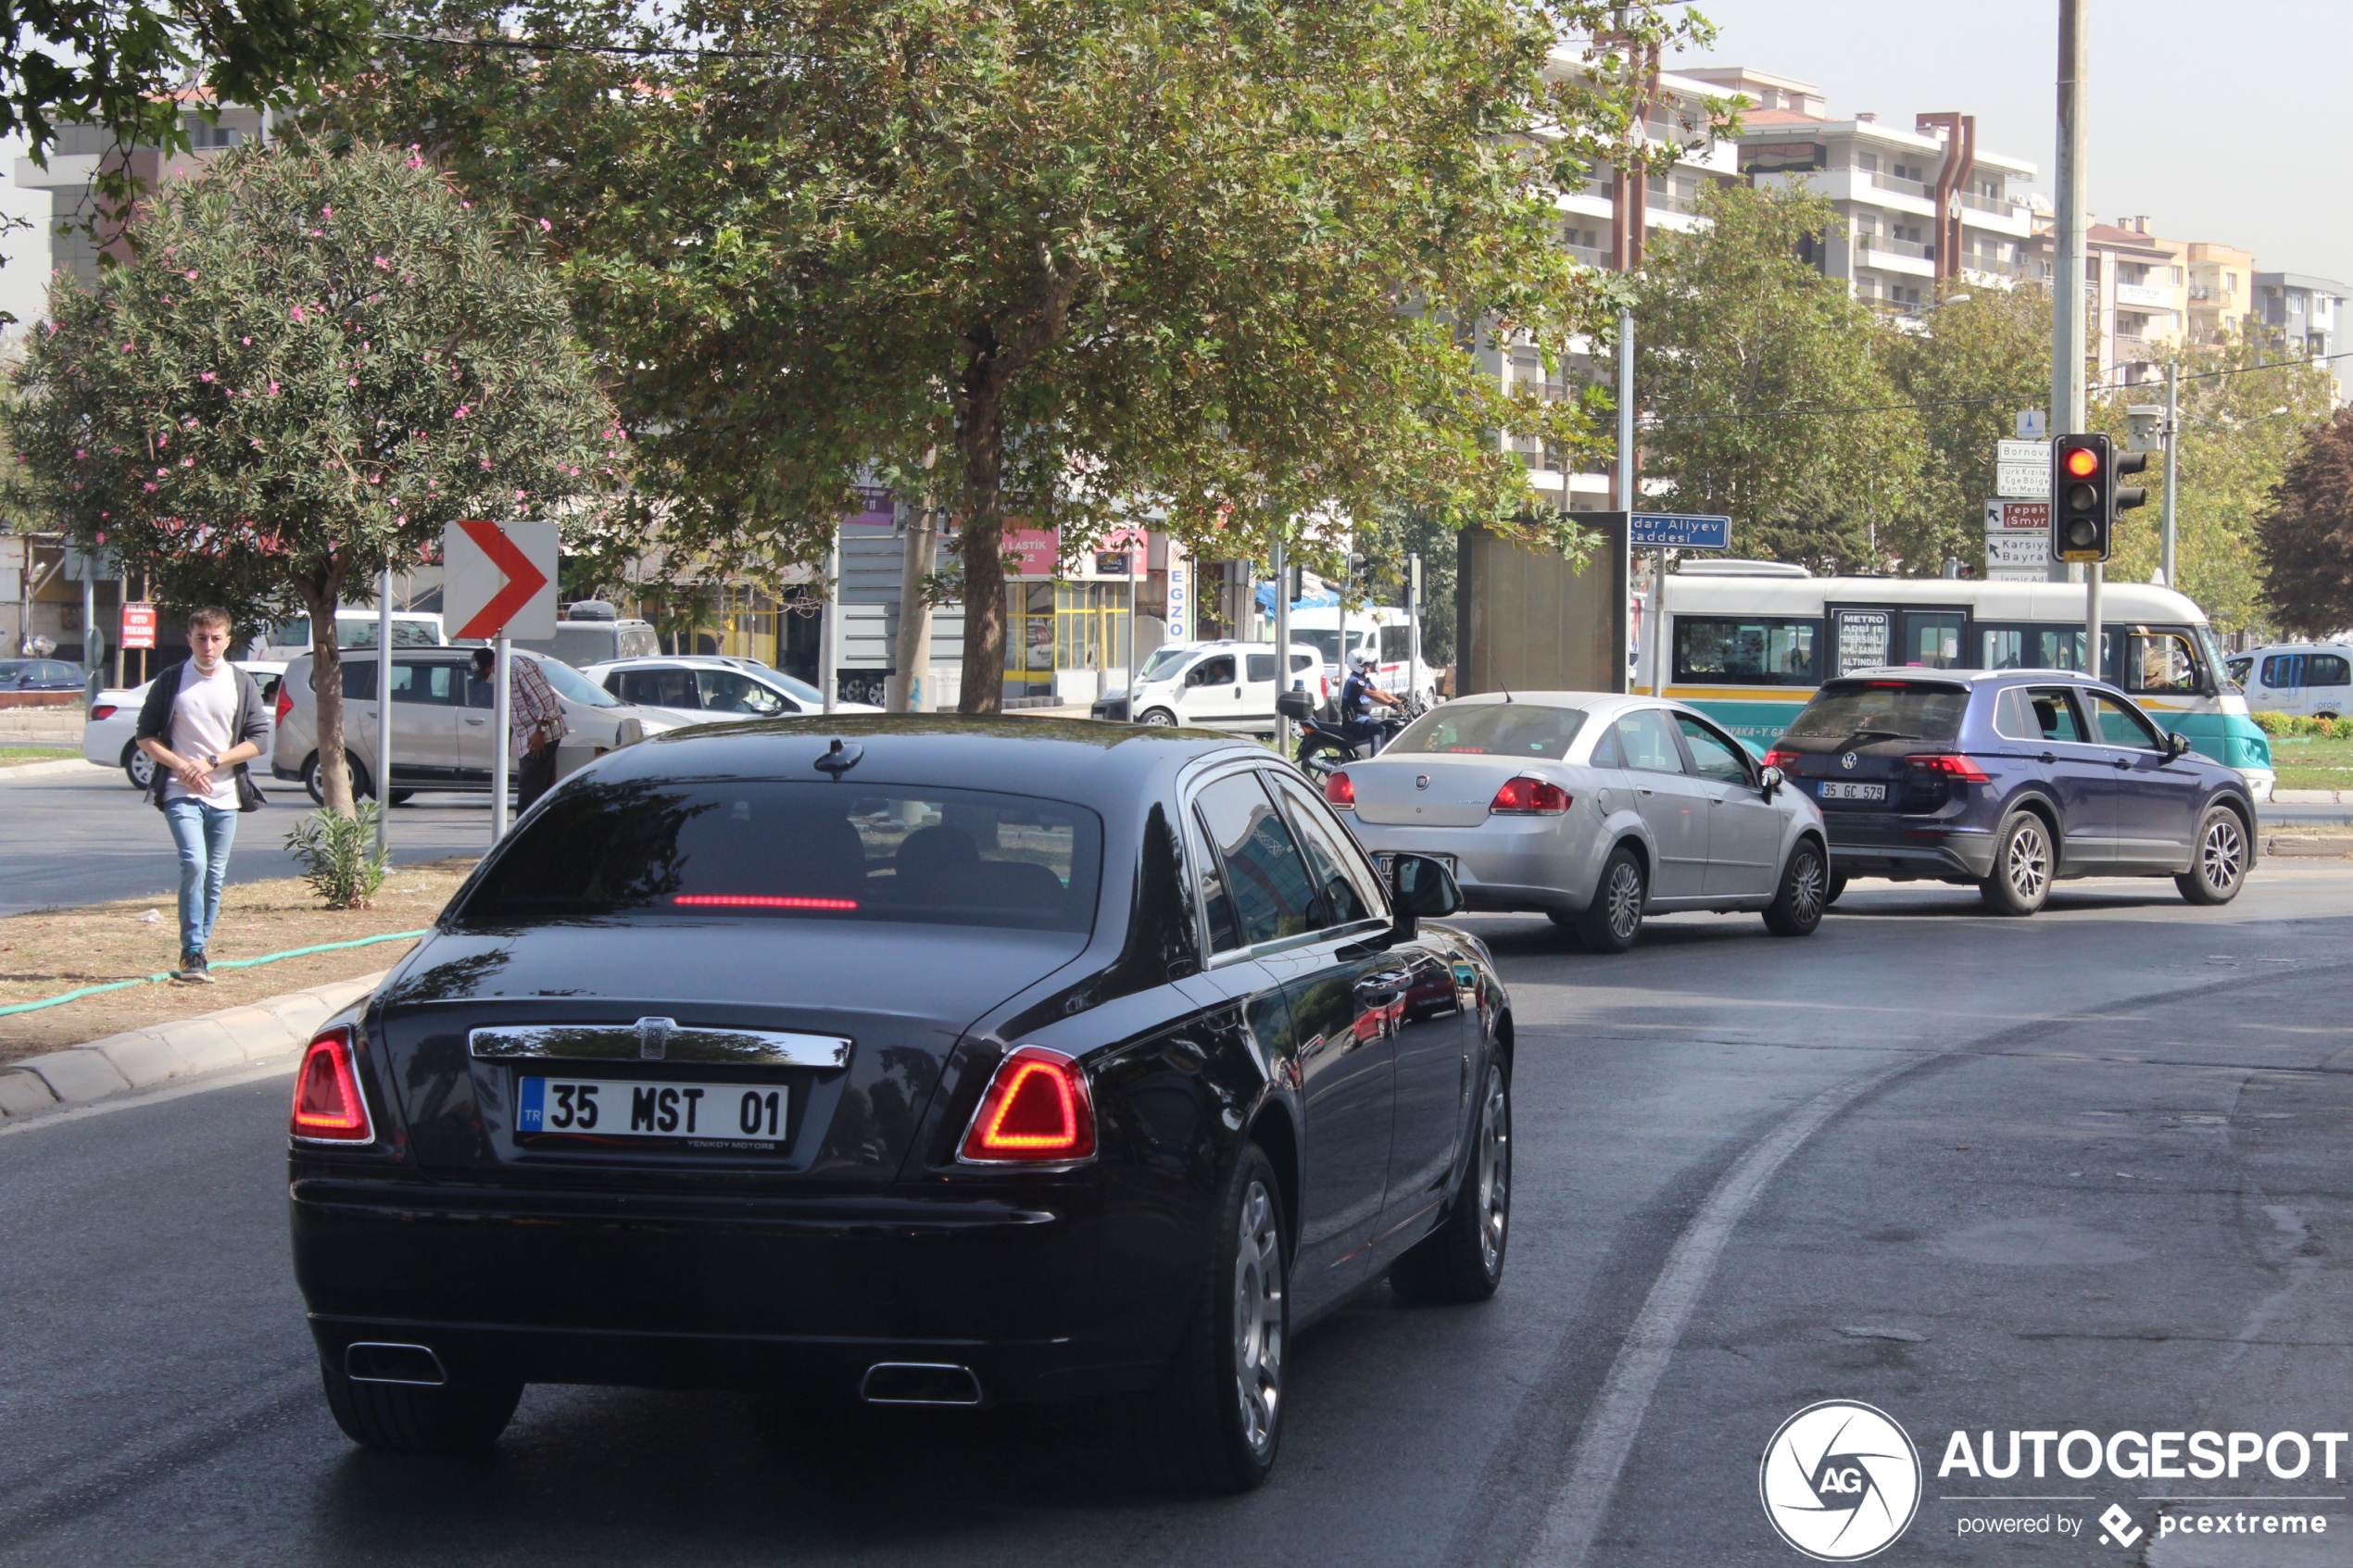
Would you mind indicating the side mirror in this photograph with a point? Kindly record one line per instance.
(1769, 780)
(1420, 886)
(2176, 745)
(629, 732)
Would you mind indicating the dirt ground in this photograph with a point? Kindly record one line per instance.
(57, 951)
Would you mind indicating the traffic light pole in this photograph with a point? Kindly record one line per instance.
(1282, 637)
(2173, 438)
(2067, 238)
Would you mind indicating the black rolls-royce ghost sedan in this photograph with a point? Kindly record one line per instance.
(931, 1061)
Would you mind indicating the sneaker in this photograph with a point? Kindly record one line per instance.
(194, 970)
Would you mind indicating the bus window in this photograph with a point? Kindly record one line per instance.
(2029, 647)
(1933, 639)
(2160, 661)
(1746, 651)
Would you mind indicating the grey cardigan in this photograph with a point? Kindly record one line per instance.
(154, 723)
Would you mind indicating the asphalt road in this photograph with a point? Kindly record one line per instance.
(2083, 1171)
(73, 838)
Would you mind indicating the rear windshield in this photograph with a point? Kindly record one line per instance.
(1497, 728)
(1864, 712)
(641, 851)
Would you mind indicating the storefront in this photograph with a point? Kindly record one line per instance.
(1070, 624)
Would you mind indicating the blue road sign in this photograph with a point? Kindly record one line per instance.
(1676, 531)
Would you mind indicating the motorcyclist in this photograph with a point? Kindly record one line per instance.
(1358, 697)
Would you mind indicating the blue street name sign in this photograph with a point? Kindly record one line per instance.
(1675, 531)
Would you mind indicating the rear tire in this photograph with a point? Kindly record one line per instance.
(361, 788)
(1215, 1424)
(1463, 1259)
(402, 1418)
(2218, 869)
(2021, 880)
(1612, 922)
(1320, 757)
(138, 767)
(1797, 909)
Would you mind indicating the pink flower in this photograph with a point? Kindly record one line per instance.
(375, 479)
(468, 206)
(298, 314)
(79, 453)
(247, 340)
(460, 413)
(208, 375)
(545, 227)
(159, 473)
(191, 274)
(485, 462)
(326, 212)
(353, 382)
(383, 263)
(188, 462)
(274, 388)
(517, 494)
(102, 536)
(149, 486)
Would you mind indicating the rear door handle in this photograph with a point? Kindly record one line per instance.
(2049, 757)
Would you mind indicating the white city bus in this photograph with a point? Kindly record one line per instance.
(1749, 642)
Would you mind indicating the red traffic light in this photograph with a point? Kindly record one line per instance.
(2083, 462)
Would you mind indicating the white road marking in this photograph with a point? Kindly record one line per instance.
(1579, 1510)
(154, 1097)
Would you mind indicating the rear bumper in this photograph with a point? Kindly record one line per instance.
(1920, 848)
(722, 1292)
(1502, 866)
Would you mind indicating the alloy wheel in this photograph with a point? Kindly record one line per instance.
(1258, 1318)
(1494, 1169)
(1808, 888)
(1625, 900)
(1160, 718)
(2223, 853)
(2029, 866)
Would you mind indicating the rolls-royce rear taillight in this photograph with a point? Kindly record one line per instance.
(1037, 1111)
(328, 1106)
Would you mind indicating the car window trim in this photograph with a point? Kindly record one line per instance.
(2132, 708)
(1203, 853)
(1740, 752)
(1285, 784)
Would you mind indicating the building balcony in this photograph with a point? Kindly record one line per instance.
(2000, 206)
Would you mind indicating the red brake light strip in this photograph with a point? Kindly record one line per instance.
(758, 901)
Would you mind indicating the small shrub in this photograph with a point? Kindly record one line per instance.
(339, 858)
(2273, 722)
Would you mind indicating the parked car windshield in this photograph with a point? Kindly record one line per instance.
(640, 850)
(1867, 712)
(573, 687)
(1494, 729)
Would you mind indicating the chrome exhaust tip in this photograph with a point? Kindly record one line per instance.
(919, 1382)
(368, 1362)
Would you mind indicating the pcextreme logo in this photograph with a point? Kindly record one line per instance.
(1840, 1481)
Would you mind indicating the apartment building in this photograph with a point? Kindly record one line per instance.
(2221, 290)
(1920, 206)
(2307, 313)
(2136, 286)
(82, 151)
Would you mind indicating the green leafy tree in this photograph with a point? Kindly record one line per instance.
(1734, 330)
(2307, 536)
(1231, 261)
(314, 366)
(1983, 354)
(2246, 414)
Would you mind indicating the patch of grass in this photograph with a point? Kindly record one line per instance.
(56, 950)
(2313, 762)
(16, 756)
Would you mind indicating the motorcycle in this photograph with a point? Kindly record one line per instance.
(1327, 747)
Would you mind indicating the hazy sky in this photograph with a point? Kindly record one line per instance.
(2220, 118)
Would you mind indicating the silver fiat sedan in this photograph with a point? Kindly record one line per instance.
(1595, 808)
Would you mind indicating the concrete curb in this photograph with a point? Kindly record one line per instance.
(140, 1058)
(2313, 796)
(52, 769)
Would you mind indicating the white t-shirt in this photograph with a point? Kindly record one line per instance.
(204, 723)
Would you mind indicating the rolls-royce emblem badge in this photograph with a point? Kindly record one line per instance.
(653, 1037)
(1421, 781)
(1847, 761)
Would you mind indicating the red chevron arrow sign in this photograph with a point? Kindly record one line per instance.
(498, 577)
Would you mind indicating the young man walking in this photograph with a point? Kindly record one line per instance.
(202, 724)
(534, 723)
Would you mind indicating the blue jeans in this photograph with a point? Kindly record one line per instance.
(203, 834)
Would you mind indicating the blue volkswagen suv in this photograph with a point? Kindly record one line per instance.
(2011, 779)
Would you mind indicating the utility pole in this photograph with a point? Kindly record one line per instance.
(2066, 276)
(1282, 639)
(2172, 442)
(1627, 460)
(829, 636)
(383, 706)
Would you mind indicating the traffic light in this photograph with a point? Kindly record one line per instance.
(2085, 496)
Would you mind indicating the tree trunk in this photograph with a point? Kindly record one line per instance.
(909, 691)
(982, 448)
(326, 684)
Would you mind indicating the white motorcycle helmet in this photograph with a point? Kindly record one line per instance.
(1361, 661)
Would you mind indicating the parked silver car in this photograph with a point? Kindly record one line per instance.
(442, 732)
(718, 688)
(1595, 808)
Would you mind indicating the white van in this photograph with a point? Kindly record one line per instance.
(1218, 685)
(353, 629)
(1384, 631)
(2302, 680)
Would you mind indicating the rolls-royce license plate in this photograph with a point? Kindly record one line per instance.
(705, 1115)
(1838, 789)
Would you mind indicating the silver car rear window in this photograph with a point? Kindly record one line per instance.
(1498, 729)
